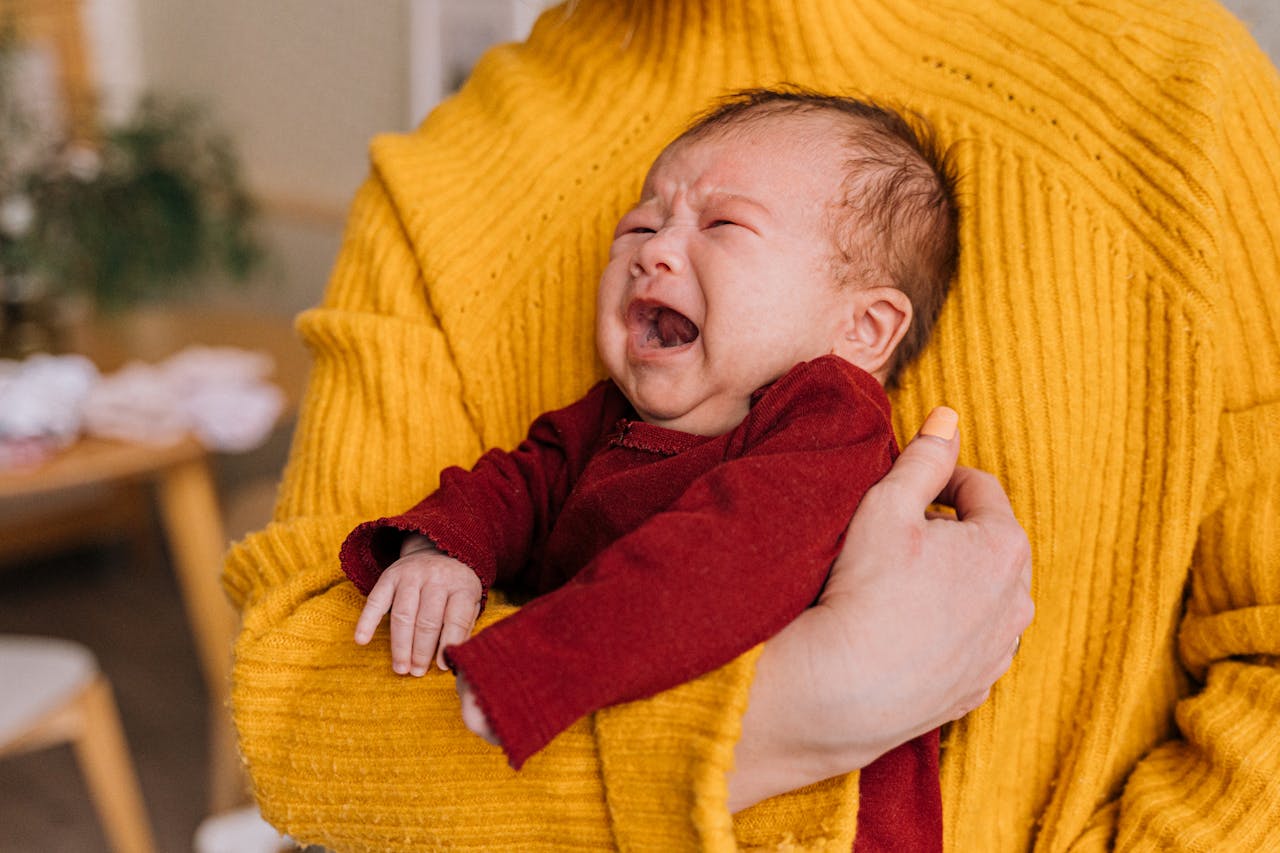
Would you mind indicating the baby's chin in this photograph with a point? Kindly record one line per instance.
(710, 417)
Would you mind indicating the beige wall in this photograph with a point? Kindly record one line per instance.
(302, 85)
(1263, 19)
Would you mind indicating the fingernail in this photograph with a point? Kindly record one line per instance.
(941, 423)
(419, 671)
(400, 669)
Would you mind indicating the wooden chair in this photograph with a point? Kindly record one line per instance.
(54, 693)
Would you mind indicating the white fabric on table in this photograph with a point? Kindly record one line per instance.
(43, 396)
(219, 394)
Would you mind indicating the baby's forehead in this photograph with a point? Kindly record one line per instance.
(696, 166)
(768, 140)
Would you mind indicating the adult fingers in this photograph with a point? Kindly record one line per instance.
(459, 618)
(981, 502)
(979, 498)
(925, 465)
(976, 495)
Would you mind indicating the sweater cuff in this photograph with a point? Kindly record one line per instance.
(518, 723)
(370, 548)
(374, 545)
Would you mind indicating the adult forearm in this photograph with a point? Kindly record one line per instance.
(787, 744)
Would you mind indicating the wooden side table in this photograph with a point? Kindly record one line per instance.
(182, 480)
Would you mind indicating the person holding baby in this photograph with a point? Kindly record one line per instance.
(1109, 343)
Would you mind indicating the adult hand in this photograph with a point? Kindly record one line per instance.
(922, 613)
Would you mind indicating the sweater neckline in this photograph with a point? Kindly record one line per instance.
(651, 438)
(676, 19)
(674, 28)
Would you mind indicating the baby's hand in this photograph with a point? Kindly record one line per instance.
(433, 600)
(472, 716)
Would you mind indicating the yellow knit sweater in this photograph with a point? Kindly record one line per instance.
(1113, 346)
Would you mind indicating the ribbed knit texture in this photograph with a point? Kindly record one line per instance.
(1111, 345)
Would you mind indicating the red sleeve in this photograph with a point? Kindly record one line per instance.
(739, 555)
(491, 516)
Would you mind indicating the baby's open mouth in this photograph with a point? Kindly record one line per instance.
(658, 326)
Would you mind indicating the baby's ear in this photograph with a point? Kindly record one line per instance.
(876, 320)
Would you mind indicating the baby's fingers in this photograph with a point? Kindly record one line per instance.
(404, 613)
(375, 607)
(426, 628)
(459, 618)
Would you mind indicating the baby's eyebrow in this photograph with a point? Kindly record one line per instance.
(717, 199)
(711, 198)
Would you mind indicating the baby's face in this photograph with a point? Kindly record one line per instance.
(721, 278)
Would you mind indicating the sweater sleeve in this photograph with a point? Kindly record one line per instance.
(647, 614)
(342, 752)
(1217, 785)
(492, 516)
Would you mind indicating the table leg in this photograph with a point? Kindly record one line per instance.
(193, 526)
(108, 771)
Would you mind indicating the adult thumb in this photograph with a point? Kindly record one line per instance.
(927, 462)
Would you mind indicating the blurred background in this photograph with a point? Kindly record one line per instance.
(300, 86)
(113, 519)
(135, 138)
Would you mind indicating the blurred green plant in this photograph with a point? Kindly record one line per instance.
(135, 214)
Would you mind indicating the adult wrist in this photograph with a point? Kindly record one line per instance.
(799, 729)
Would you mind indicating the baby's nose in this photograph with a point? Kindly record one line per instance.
(661, 253)
(659, 266)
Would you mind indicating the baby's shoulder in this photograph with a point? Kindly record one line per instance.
(826, 401)
(828, 380)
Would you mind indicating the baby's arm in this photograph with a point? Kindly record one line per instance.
(741, 552)
(433, 600)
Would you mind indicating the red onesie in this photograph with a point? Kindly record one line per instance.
(656, 556)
